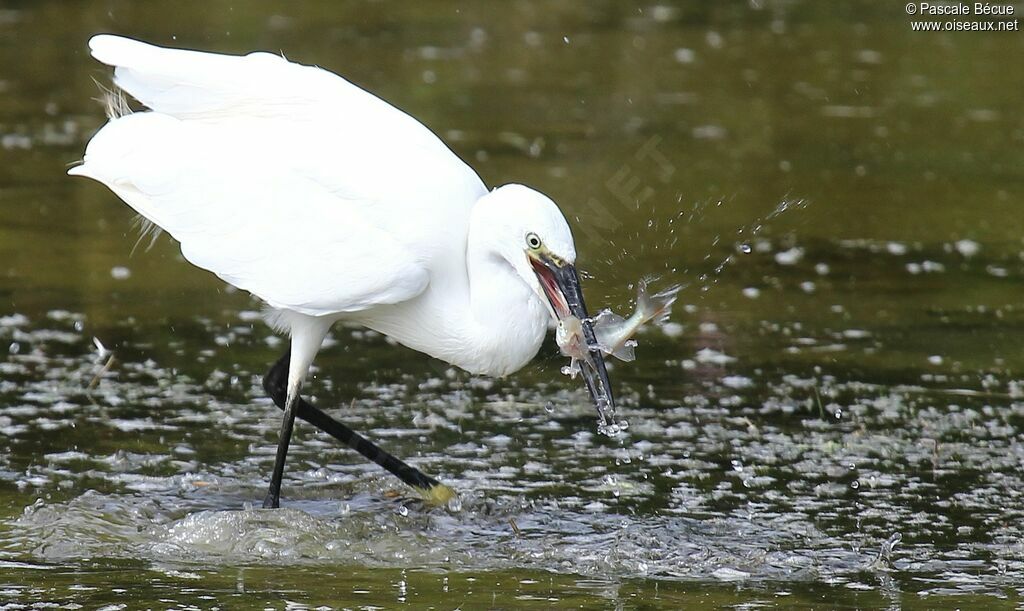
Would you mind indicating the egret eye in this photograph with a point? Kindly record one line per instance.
(532, 241)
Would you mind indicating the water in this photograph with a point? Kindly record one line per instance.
(833, 417)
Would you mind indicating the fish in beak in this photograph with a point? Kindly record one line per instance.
(561, 285)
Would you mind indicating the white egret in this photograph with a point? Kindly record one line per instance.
(330, 205)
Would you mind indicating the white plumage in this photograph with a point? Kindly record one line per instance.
(328, 204)
(323, 201)
(240, 150)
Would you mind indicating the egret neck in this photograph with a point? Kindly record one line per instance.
(509, 320)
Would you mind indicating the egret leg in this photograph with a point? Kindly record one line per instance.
(276, 385)
(273, 498)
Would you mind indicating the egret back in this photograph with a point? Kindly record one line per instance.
(285, 180)
(261, 228)
(304, 117)
(200, 86)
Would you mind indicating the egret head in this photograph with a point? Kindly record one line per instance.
(534, 238)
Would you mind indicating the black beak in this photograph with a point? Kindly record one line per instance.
(556, 275)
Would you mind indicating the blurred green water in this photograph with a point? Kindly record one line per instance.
(889, 290)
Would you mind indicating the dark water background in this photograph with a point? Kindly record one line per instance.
(834, 418)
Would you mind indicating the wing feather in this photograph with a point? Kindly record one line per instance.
(316, 256)
(210, 86)
(285, 180)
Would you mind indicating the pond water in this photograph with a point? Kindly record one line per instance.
(833, 417)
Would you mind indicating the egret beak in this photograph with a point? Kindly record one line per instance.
(561, 284)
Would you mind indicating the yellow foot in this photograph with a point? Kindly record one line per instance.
(438, 495)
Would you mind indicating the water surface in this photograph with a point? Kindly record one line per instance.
(834, 418)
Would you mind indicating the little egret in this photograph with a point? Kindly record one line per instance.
(330, 205)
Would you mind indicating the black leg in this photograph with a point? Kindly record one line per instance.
(273, 498)
(276, 385)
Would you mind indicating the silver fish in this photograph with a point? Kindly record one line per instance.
(615, 334)
(572, 343)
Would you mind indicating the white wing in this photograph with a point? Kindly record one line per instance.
(284, 180)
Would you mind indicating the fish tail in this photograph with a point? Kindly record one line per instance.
(625, 351)
(655, 307)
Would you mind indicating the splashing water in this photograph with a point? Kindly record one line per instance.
(748, 231)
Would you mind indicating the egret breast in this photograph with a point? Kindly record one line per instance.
(498, 342)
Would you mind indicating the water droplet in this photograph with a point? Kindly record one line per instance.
(838, 414)
(855, 484)
(885, 553)
(745, 249)
(403, 510)
(549, 407)
(14, 348)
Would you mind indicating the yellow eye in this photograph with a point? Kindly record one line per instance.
(532, 241)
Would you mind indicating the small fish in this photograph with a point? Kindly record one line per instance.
(572, 343)
(614, 334)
